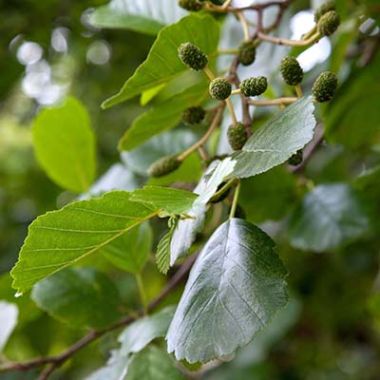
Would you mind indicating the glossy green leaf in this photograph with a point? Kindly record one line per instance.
(162, 116)
(115, 369)
(153, 364)
(8, 321)
(142, 16)
(329, 216)
(163, 63)
(65, 145)
(186, 229)
(130, 252)
(61, 238)
(79, 296)
(140, 333)
(234, 289)
(353, 119)
(170, 200)
(275, 142)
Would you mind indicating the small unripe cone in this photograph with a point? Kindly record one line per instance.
(247, 53)
(296, 159)
(192, 56)
(220, 89)
(237, 136)
(328, 23)
(164, 166)
(291, 71)
(325, 86)
(217, 2)
(254, 86)
(190, 5)
(324, 8)
(193, 115)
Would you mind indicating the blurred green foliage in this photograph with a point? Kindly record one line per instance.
(331, 328)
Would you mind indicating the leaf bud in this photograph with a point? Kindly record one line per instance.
(164, 166)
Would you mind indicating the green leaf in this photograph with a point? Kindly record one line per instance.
(8, 321)
(65, 145)
(130, 252)
(274, 143)
(153, 364)
(61, 238)
(235, 287)
(134, 339)
(163, 63)
(140, 333)
(186, 230)
(171, 201)
(79, 296)
(163, 248)
(329, 216)
(143, 16)
(353, 119)
(115, 369)
(268, 196)
(162, 116)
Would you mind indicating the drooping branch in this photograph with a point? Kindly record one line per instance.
(56, 361)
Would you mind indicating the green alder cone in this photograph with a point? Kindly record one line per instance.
(247, 53)
(193, 115)
(324, 8)
(192, 56)
(291, 71)
(220, 89)
(328, 23)
(325, 86)
(254, 86)
(190, 5)
(237, 136)
(164, 166)
(296, 159)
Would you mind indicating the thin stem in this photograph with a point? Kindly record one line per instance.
(272, 102)
(236, 92)
(232, 182)
(284, 41)
(299, 91)
(59, 360)
(210, 75)
(140, 286)
(232, 111)
(244, 24)
(215, 123)
(228, 51)
(310, 33)
(235, 201)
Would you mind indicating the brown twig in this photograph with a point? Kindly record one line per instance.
(56, 361)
